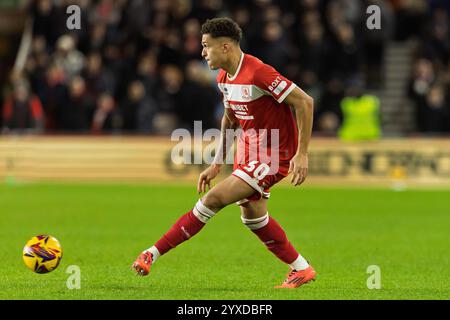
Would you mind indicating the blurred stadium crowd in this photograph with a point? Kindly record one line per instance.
(135, 66)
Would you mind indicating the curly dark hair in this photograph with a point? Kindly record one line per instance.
(222, 27)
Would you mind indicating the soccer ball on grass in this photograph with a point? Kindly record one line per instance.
(42, 254)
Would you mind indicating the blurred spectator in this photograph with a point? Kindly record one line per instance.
(436, 111)
(68, 57)
(46, 18)
(430, 79)
(147, 72)
(420, 85)
(171, 90)
(272, 47)
(97, 38)
(37, 63)
(98, 78)
(438, 43)
(431, 99)
(314, 50)
(241, 15)
(192, 48)
(52, 92)
(22, 110)
(77, 111)
(136, 16)
(170, 51)
(106, 116)
(138, 109)
(345, 53)
(328, 114)
(361, 114)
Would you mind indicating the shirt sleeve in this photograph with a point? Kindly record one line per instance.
(271, 81)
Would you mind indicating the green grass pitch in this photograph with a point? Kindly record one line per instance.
(102, 229)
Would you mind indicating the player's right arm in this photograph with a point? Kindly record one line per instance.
(229, 121)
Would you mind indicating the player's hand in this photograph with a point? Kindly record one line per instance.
(206, 176)
(299, 168)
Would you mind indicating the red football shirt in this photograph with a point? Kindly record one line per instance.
(255, 94)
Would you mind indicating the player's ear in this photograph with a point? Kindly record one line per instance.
(225, 47)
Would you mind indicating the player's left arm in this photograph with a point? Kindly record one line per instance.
(303, 105)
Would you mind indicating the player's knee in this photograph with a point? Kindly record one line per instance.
(253, 209)
(250, 213)
(213, 201)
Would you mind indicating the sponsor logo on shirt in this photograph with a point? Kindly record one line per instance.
(274, 83)
(239, 107)
(241, 111)
(277, 86)
(280, 87)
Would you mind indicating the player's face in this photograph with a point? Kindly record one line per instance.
(213, 51)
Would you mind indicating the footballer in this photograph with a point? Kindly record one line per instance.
(255, 97)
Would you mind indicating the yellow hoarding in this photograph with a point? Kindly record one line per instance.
(418, 162)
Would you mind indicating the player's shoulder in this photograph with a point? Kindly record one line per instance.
(252, 62)
(257, 67)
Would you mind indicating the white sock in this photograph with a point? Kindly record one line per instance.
(202, 212)
(299, 264)
(155, 253)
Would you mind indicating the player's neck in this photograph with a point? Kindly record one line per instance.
(233, 64)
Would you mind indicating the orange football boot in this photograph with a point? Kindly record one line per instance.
(297, 278)
(143, 263)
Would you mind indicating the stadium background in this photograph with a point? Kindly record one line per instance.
(86, 118)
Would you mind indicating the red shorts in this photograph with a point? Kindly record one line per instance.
(259, 177)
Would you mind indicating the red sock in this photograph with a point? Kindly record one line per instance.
(186, 227)
(274, 237)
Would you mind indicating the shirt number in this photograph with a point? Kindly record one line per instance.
(260, 172)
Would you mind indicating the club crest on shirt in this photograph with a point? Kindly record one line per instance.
(245, 92)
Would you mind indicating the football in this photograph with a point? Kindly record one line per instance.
(42, 254)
